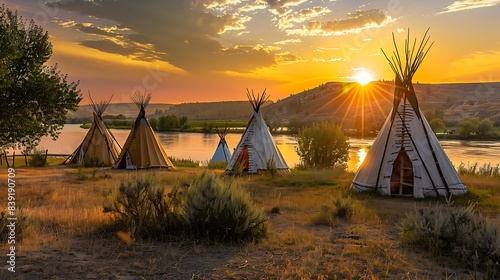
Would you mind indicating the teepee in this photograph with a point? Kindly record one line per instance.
(142, 148)
(406, 157)
(99, 147)
(256, 145)
(222, 153)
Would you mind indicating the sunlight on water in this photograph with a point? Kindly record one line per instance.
(361, 156)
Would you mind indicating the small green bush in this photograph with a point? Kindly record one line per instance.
(457, 232)
(144, 209)
(323, 145)
(37, 158)
(219, 210)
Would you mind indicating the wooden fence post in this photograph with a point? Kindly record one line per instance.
(46, 154)
(25, 158)
(14, 160)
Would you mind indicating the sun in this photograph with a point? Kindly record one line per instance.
(363, 77)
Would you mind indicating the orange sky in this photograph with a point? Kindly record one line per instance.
(211, 50)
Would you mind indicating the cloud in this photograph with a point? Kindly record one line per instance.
(290, 19)
(108, 46)
(280, 5)
(355, 23)
(321, 59)
(288, 41)
(182, 33)
(326, 49)
(289, 58)
(462, 5)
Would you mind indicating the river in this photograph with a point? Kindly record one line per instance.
(200, 147)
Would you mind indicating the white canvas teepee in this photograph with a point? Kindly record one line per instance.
(142, 148)
(256, 146)
(222, 153)
(406, 157)
(99, 147)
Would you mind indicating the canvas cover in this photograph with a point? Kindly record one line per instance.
(256, 147)
(142, 148)
(222, 153)
(98, 148)
(433, 173)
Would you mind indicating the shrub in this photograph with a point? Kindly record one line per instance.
(323, 145)
(37, 158)
(343, 208)
(219, 210)
(144, 209)
(454, 232)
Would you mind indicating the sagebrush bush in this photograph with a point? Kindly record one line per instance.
(220, 210)
(454, 231)
(143, 208)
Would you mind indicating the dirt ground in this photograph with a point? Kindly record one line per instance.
(294, 249)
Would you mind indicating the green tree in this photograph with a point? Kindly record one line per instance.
(323, 145)
(183, 122)
(466, 128)
(168, 123)
(485, 126)
(437, 125)
(154, 123)
(34, 97)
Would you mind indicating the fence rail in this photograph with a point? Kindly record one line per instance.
(26, 155)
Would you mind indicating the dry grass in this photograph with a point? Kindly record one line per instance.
(64, 216)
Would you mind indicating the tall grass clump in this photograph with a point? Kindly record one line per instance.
(343, 208)
(271, 167)
(217, 165)
(144, 210)
(486, 169)
(6, 230)
(184, 162)
(38, 158)
(457, 232)
(221, 210)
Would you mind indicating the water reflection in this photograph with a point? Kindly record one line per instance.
(200, 147)
(361, 156)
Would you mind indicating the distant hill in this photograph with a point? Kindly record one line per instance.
(347, 102)
(129, 110)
